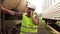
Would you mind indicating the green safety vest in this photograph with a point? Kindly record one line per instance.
(28, 26)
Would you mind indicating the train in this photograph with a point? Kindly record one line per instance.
(52, 14)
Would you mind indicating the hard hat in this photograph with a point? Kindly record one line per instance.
(31, 6)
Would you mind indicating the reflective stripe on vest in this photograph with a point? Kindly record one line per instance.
(22, 32)
(29, 30)
(34, 27)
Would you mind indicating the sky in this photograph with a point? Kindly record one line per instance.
(38, 4)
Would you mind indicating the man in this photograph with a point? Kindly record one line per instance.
(29, 22)
(10, 23)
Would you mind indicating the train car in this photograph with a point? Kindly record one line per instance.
(52, 14)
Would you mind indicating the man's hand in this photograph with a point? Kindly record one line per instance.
(19, 14)
(31, 14)
(33, 18)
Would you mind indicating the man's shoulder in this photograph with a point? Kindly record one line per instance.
(24, 13)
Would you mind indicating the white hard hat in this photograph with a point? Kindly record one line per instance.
(31, 6)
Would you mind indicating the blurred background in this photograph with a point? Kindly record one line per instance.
(47, 13)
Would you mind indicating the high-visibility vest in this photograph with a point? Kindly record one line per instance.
(28, 26)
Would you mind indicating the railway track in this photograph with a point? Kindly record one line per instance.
(56, 27)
